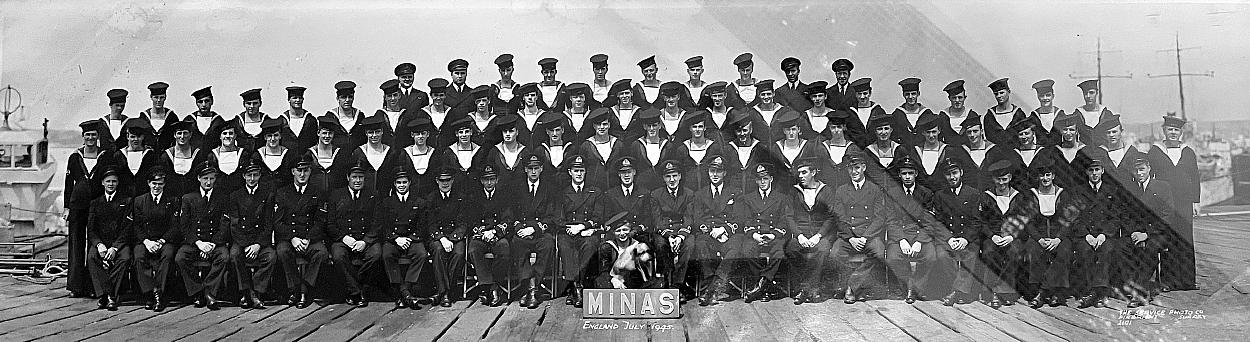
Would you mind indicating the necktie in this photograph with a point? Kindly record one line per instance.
(627, 192)
(403, 198)
(533, 190)
(355, 195)
(715, 192)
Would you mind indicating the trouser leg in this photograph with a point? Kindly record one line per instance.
(79, 281)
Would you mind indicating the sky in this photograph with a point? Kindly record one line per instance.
(63, 56)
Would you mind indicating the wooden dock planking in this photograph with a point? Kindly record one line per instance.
(438, 320)
(702, 324)
(38, 307)
(824, 322)
(1075, 317)
(869, 323)
(67, 312)
(742, 324)
(271, 324)
(959, 321)
(209, 319)
(780, 321)
(1049, 324)
(347, 327)
(68, 323)
(1008, 324)
(23, 299)
(914, 322)
(561, 323)
(473, 324)
(111, 320)
(308, 324)
(517, 323)
(392, 323)
(150, 326)
(246, 319)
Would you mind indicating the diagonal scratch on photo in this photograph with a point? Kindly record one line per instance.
(630, 170)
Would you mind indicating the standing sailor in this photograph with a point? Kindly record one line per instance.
(1176, 163)
(1092, 112)
(411, 99)
(162, 118)
(1001, 115)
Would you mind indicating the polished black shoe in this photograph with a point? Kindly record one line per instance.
(1057, 301)
(839, 293)
(110, 303)
(1085, 302)
(362, 301)
(500, 297)
(578, 293)
(404, 300)
(304, 301)
(245, 302)
(488, 296)
(1101, 302)
(446, 301)
(211, 303)
(351, 300)
(200, 302)
(257, 303)
(1037, 301)
(849, 297)
(951, 298)
(995, 302)
(293, 299)
(158, 304)
(911, 297)
(755, 292)
(572, 295)
(801, 297)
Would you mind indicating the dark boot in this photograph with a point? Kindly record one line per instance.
(531, 298)
(158, 304)
(578, 292)
(911, 296)
(210, 302)
(256, 302)
(499, 296)
(245, 301)
(110, 302)
(755, 292)
(304, 301)
(951, 298)
(573, 293)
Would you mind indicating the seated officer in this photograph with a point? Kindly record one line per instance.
(1096, 231)
(912, 238)
(350, 223)
(1153, 210)
(713, 208)
(580, 210)
(672, 215)
(489, 213)
(299, 211)
(109, 258)
(400, 219)
(251, 233)
(532, 214)
(812, 236)
(201, 238)
(154, 214)
(961, 208)
(631, 197)
(447, 224)
(763, 215)
(860, 206)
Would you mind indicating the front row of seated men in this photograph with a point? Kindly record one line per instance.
(1068, 241)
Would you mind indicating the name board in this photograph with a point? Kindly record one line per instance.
(630, 303)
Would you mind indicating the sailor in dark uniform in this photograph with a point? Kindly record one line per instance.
(1048, 231)
(411, 99)
(347, 116)
(1003, 252)
(953, 117)
(179, 160)
(833, 145)
(330, 162)
(1177, 164)
(534, 213)
(931, 151)
(457, 92)
(974, 155)
(791, 94)
(745, 149)
(249, 218)
(695, 146)
(861, 208)
(250, 120)
(137, 159)
(448, 225)
(201, 237)
(108, 234)
(489, 216)
(576, 108)
(764, 218)
(300, 129)
(649, 86)
(161, 117)
(550, 87)
(695, 84)
(813, 234)
(204, 120)
(394, 117)
(716, 246)
(349, 223)
(672, 218)
(713, 101)
(741, 92)
(580, 212)
(525, 104)
(83, 177)
(623, 260)
(154, 213)
(917, 233)
(1046, 113)
(228, 156)
(1002, 114)
(841, 95)
(379, 158)
(554, 149)
(505, 88)
(865, 109)
(111, 135)
(1092, 113)
(484, 114)
(816, 118)
(401, 222)
(962, 209)
(908, 114)
(1096, 231)
(600, 87)
(299, 231)
(275, 157)
(1120, 153)
(1020, 153)
(625, 106)
(1154, 210)
(631, 197)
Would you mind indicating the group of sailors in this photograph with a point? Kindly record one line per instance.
(679, 184)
